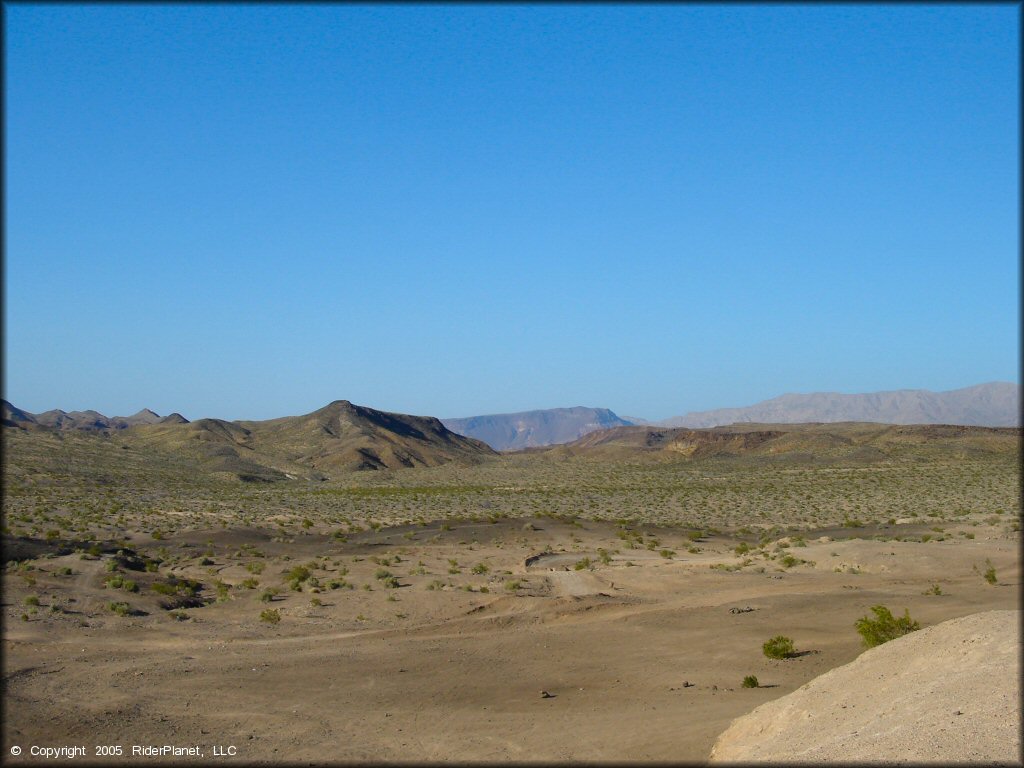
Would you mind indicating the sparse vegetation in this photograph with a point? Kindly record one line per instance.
(750, 681)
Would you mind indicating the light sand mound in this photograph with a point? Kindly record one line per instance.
(947, 693)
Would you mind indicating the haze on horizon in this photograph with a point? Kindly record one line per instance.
(251, 211)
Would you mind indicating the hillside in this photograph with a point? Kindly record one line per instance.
(948, 693)
(996, 404)
(346, 436)
(531, 429)
(861, 442)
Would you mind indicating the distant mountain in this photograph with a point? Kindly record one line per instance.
(89, 421)
(532, 429)
(338, 437)
(996, 404)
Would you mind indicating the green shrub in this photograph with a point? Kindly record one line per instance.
(271, 616)
(31, 600)
(480, 568)
(750, 681)
(581, 564)
(779, 647)
(884, 627)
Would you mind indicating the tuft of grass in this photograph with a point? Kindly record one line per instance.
(750, 681)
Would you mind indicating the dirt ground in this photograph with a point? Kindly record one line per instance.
(640, 653)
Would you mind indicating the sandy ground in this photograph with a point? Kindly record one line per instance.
(948, 693)
(642, 656)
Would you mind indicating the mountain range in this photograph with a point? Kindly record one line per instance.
(342, 437)
(995, 404)
(338, 437)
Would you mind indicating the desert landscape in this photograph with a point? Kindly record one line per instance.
(353, 586)
(555, 383)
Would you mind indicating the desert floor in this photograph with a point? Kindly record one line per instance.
(388, 648)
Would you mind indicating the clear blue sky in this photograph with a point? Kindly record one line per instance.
(249, 211)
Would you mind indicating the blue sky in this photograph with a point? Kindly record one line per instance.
(249, 211)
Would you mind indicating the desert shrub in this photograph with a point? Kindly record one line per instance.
(742, 548)
(668, 554)
(512, 586)
(121, 609)
(934, 589)
(884, 627)
(177, 586)
(480, 568)
(750, 681)
(249, 583)
(268, 594)
(779, 647)
(31, 600)
(581, 564)
(990, 573)
(270, 616)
